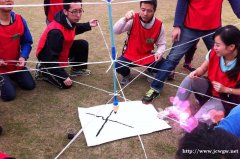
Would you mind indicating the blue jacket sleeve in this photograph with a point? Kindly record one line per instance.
(180, 13)
(26, 41)
(235, 4)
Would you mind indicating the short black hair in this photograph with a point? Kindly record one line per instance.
(152, 2)
(208, 143)
(67, 6)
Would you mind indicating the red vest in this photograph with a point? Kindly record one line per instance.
(204, 14)
(141, 41)
(53, 9)
(68, 40)
(10, 43)
(215, 73)
(3, 156)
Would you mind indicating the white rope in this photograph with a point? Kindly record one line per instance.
(100, 29)
(184, 88)
(57, 66)
(42, 5)
(75, 137)
(124, 2)
(133, 62)
(81, 130)
(72, 80)
(132, 79)
(153, 68)
(144, 151)
(50, 62)
(121, 90)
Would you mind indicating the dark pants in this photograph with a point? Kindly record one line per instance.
(77, 54)
(124, 70)
(23, 79)
(190, 53)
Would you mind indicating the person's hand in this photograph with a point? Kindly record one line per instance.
(68, 82)
(93, 22)
(129, 15)
(2, 62)
(193, 74)
(21, 62)
(215, 115)
(158, 56)
(176, 34)
(219, 87)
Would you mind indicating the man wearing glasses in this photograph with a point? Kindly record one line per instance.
(57, 46)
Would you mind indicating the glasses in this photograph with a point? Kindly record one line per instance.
(76, 12)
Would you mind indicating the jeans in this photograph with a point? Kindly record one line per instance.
(23, 79)
(177, 52)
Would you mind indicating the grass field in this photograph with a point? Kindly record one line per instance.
(36, 123)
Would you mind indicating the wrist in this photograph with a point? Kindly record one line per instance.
(125, 19)
(229, 90)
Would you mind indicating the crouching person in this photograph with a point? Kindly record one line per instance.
(57, 46)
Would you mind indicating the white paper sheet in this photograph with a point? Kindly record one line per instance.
(132, 119)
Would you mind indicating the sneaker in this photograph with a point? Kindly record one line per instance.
(38, 73)
(189, 67)
(81, 72)
(126, 80)
(150, 95)
(171, 76)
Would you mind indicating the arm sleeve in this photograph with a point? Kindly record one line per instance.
(235, 4)
(52, 50)
(161, 41)
(26, 41)
(82, 27)
(122, 26)
(180, 13)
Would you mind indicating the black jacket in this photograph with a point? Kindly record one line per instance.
(54, 43)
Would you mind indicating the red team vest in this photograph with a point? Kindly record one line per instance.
(204, 14)
(3, 156)
(10, 43)
(141, 41)
(215, 73)
(53, 9)
(68, 40)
